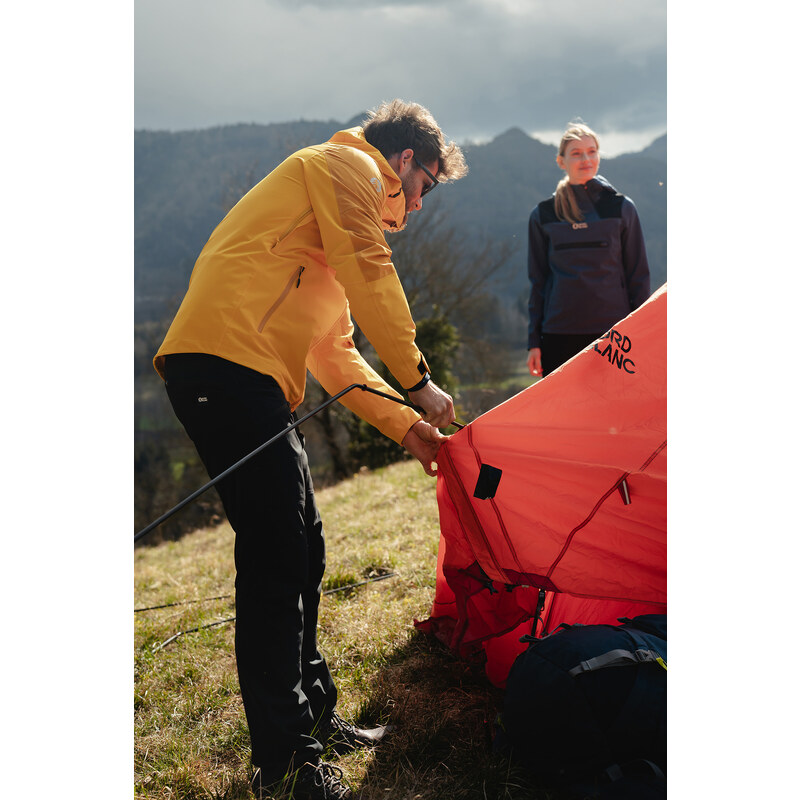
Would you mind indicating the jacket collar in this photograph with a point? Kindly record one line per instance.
(394, 201)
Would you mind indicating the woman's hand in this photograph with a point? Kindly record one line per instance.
(535, 361)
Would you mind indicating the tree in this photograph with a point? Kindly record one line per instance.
(445, 275)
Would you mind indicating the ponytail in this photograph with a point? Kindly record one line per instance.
(567, 208)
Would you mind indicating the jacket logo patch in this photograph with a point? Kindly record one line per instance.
(376, 184)
(614, 347)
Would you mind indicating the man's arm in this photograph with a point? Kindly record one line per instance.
(347, 197)
(336, 363)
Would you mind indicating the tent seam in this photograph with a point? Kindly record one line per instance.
(597, 506)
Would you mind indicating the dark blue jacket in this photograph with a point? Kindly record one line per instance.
(585, 277)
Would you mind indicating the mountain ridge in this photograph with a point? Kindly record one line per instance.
(184, 181)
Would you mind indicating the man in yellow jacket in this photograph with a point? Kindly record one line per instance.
(271, 296)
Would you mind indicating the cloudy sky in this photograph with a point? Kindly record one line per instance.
(66, 143)
(481, 66)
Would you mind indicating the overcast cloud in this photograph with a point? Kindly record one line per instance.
(481, 66)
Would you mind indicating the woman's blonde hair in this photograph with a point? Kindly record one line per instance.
(566, 205)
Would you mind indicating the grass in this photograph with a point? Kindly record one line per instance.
(191, 738)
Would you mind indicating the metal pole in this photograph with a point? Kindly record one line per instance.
(155, 523)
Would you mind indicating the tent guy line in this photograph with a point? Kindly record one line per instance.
(183, 603)
(175, 636)
(226, 596)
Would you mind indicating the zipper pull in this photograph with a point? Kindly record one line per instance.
(302, 270)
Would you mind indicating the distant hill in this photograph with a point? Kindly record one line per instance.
(657, 150)
(185, 181)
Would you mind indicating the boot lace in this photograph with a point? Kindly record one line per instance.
(329, 779)
(345, 728)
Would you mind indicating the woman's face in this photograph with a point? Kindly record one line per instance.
(581, 159)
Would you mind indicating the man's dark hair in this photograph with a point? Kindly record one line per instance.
(395, 126)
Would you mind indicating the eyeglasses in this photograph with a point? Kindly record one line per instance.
(432, 185)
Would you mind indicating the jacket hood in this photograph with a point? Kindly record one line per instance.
(599, 182)
(394, 204)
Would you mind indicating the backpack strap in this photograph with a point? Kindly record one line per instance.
(618, 658)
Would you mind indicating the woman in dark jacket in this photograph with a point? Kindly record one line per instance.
(586, 258)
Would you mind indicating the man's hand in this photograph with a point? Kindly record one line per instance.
(423, 442)
(438, 405)
(535, 361)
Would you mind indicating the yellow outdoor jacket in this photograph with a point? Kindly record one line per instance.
(274, 287)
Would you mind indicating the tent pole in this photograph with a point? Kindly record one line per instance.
(153, 525)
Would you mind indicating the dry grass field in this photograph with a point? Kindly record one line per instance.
(191, 739)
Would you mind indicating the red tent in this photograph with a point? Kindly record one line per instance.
(562, 488)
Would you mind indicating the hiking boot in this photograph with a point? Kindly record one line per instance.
(342, 736)
(320, 781)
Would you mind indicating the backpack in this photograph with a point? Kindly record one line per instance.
(587, 700)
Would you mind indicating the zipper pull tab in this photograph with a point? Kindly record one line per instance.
(302, 270)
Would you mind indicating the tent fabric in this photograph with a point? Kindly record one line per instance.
(562, 487)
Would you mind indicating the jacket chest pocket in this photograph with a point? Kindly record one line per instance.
(600, 244)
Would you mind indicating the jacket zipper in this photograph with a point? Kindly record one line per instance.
(292, 227)
(294, 279)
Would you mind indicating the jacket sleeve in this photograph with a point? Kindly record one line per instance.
(336, 363)
(346, 193)
(538, 272)
(634, 256)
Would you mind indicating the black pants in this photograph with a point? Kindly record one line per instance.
(558, 348)
(287, 689)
